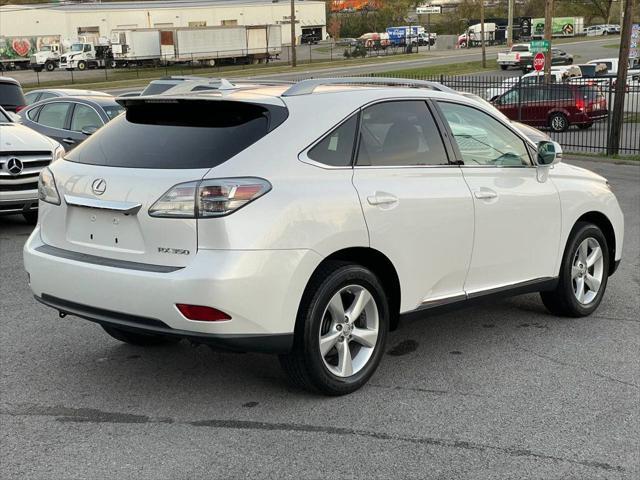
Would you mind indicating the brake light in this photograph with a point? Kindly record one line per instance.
(580, 104)
(209, 198)
(20, 107)
(201, 313)
(517, 57)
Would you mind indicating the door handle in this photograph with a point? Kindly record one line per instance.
(485, 194)
(382, 198)
(69, 141)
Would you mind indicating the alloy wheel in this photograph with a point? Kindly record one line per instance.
(587, 270)
(349, 331)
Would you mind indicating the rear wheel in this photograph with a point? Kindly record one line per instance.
(504, 67)
(139, 339)
(558, 122)
(583, 274)
(341, 330)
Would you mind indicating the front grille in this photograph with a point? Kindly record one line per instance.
(14, 187)
(32, 163)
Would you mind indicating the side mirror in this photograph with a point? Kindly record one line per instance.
(549, 153)
(89, 130)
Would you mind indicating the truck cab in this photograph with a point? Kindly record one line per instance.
(83, 55)
(47, 58)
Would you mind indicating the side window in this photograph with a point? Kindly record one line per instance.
(31, 97)
(54, 115)
(510, 97)
(483, 140)
(336, 148)
(46, 95)
(401, 133)
(33, 113)
(83, 117)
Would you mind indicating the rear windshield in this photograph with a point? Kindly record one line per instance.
(11, 95)
(520, 48)
(157, 88)
(112, 111)
(590, 93)
(189, 134)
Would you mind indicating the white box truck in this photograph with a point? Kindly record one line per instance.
(139, 47)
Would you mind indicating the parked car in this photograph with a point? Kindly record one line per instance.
(347, 42)
(558, 74)
(23, 155)
(612, 29)
(558, 57)
(11, 95)
(557, 106)
(255, 229)
(70, 120)
(43, 94)
(596, 30)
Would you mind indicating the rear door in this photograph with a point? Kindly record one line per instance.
(416, 204)
(53, 120)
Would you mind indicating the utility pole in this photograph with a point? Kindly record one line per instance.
(510, 24)
(293, 34)
(617, 116)
(548, 33)
(484, 50)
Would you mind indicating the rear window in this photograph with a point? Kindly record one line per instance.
(189, 134)
(112, 111)
(590, 93)
(157, 88)
(520, 48)
(11, 95)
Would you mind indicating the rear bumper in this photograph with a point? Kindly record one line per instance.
(275, 343)
(259, 289)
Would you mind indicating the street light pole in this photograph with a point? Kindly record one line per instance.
(510, 24)
(293, 34)
(548, 33)
(484, 50)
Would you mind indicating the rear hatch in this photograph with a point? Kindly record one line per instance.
(109, 183)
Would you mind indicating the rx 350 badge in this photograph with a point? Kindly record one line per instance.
(174, 251)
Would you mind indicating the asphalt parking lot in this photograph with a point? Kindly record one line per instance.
(503, 390)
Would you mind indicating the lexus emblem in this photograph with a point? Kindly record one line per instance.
(99, 186)
(14, 166)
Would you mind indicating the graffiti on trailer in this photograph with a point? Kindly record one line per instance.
(23, 47)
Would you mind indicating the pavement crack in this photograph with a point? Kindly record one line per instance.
(567, 364)
(424, 390)
(91, 415)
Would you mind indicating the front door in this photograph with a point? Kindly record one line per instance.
(416, 203)
(517, 213)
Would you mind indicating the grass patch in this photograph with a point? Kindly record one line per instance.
(612, 45)
(450, 69)
(632, 118)
(633, 158)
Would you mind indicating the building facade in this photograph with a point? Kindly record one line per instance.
(71, 21)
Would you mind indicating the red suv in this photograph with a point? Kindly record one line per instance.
(557, 106)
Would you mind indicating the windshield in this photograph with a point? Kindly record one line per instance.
(45, 48)
(76, 47)
(112, 111)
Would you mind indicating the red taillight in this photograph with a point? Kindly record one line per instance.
(580, 104)
(20, 107)
(517, 57)
(203, 314)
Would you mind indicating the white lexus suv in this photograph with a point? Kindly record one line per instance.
(306, 219)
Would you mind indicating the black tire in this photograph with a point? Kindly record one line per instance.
(82, 65)
(49, 66)
(31, 217)
(139, 339)
(304, 365)
(562, 301)
(504, 67)
(558, 122)
(585, 126)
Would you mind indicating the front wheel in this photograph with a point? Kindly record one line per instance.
(583, 274)
(341, 330)
(82, 65)
(50, 66)
(504, 67)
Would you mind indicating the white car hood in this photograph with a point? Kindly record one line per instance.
(15, 137)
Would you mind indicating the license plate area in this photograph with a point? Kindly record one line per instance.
(104, 229)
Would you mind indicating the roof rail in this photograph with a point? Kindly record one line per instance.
(306, 87)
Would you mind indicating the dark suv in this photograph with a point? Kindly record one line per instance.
(11, 96)
(557, 106)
